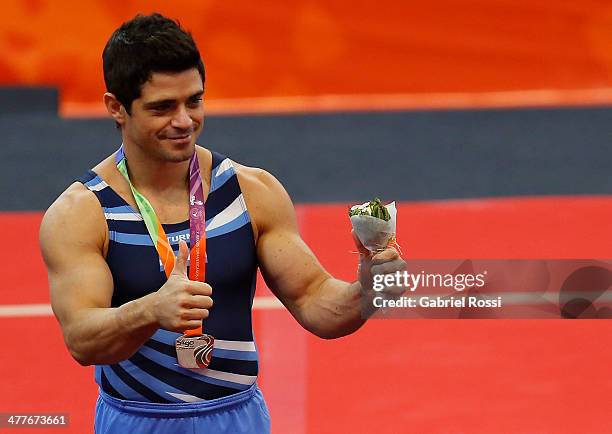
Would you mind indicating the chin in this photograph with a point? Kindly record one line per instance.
(177, 152)
(179, 156)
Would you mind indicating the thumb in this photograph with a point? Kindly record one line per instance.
(362, 249)
(180, 265)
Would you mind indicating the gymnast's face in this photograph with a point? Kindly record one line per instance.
(167, 118)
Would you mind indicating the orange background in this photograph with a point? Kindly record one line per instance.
(315, 47)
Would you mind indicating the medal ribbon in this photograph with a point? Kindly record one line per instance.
(197, 224)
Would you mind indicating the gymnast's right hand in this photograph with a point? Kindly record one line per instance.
(181, 304)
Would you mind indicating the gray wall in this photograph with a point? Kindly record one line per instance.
(346, 157)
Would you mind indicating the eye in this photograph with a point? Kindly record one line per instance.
(160, 108)
(195, 102)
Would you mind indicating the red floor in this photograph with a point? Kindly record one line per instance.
(417, 376)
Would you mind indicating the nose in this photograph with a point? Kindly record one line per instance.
(181, 119)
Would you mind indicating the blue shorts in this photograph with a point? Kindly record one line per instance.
(243, 412)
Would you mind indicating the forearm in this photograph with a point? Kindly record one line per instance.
(334, 309)
(109, 335)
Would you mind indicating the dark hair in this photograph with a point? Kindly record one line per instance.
(141, 46)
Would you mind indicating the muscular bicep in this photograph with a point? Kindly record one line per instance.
(288, 266)
(79, 280)
(71, 240)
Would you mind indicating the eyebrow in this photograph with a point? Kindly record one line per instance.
(153, 104)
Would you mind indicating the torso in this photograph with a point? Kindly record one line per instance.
(231, 270)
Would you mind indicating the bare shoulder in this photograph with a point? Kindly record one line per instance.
(75, 203)
(256, 180)
(74, 219)
(267, 200)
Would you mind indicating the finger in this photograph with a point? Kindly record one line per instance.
(359, 244)
(193, 324)
(180, 265)
(198, 288)
(195, 314)
(200, 302)
(394, 291)
(389, 267)
(387, 255)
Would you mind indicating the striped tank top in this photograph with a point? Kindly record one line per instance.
(152, 374)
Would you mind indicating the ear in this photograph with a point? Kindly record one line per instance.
(115, 108)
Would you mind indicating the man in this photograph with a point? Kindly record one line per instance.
(119, 293)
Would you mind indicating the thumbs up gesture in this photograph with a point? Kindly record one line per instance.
(181, 304)
(180, 264)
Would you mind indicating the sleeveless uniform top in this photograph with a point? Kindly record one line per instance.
(152, 374)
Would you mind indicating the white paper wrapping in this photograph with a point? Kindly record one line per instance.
(375, 233)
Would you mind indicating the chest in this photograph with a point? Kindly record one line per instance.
(230, 244)
(169, 206)
(170, 209)
(137, 270)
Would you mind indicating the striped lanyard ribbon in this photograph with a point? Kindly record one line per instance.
(197, 224)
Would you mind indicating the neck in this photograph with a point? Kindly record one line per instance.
(147, 173)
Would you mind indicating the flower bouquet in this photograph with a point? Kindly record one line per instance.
(374, 224)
